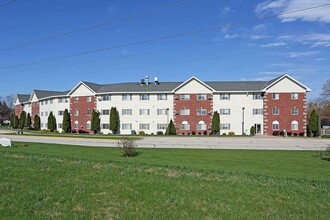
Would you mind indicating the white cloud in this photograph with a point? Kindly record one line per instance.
(226, 10)
(302, 54)
(265, 78)
(232, 36)
(283, 6)
(277, 44)
(258, 36)
(313, 39)
(273, 73)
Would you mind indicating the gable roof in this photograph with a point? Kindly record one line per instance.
(42, 94)
(191, 79)
(137, 87)
(22, 97)
(276, 80)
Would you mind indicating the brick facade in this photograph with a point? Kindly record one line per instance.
(193, 104)
(82, 105)
(35, 110)
(285, 117)
(19, 109)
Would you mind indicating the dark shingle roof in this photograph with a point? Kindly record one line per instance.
(23, 97)
(273, 80)
(95, 87)
(44, 93)
(237, 85)
(137, 87)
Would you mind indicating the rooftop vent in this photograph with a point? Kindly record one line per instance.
(147, 80)
(142, 82)
(156, 80)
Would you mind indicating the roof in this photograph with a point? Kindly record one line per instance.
(137, 87)
(93, 86)
(45, 93)
(23, 97)
(237, 85)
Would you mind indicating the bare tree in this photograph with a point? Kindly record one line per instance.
(10, 101)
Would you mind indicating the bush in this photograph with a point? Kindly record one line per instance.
(224, 134)
(45, 130)
(56, 131)
(205, 132)
(295, 134)
(193, 132)
(302, 134)
(160, 133)
(199, 133)
(182, 133)
(276, 133)
(127, 147)
(252, 130)
(142, 133)
(289, 133)
(188, 133)
(231, 133)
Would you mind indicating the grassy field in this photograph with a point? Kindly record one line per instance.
(70, 182)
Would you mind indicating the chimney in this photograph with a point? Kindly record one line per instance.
(142, 82)
(156, 80)
(147, 80)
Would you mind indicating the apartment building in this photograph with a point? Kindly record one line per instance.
(270, 106)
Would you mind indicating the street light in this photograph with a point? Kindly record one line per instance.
(243, 108)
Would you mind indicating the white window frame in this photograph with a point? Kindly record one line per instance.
(185, 126)
(76, 99)
(185, 111)
(162, 111)
(294, 96)
(144, 111)
(201, 111)
(275, 126)
(105, 112)
(144, 97)
(76, 112)
(257, 111)
(106, 97)
(294, 126)
(161, 96)
(201, 126)
(224, 96)
(88, 112)
(126, 97)
(161, 126)
(224, 111)
(294, 111)
(144, 126)
(89, 98)
(185, 97)
(88, 125)
(275, 111)
(201, 97)
(276, 96)
(126, 111)
(257, 96)
(225, 126)
(126, 126)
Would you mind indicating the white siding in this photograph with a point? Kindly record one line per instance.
(136, 104)
(235, 104)
(82, 90)
(193, 87)
(285, 85)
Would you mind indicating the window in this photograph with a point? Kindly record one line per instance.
(76, 125)
(104, 126)
(201, 111)
(224, 96)
(276, 126)
(224, 111)
(126, 111)
(42, 113)
(294, 126)
(42, 102)
(127, 97)
(89, 112)
(88, 125)
(161, 126)
(184, 97)
(144, 97)
(144, 126)
(46, 113)
(46, 102)
(126, 126)
(60, 113)
(59, 125)
(276, 111)
(162, 97)
(257, 96)
(46, 125)
(257, 111)
(224, 126)
(41, 125)
(144, 112)
(294, 96)
(105, 112)
(76, 99)
(276, 96)
(185, 125)
(51, 101)
(201, 126)
(89, 98)
(162, 111)
(294, 111)
(201, 97)
(76, 112)
(61, 100)
(185, 111)
(105, 98)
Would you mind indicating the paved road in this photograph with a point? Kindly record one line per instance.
(196, 142)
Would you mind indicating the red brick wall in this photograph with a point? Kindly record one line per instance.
(18, 110)
(35, 109)
(285, 118)
(193, 104)
(82, 105)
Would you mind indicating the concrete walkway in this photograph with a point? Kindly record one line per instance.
(191, 142)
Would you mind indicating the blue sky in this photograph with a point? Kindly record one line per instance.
(53, 45)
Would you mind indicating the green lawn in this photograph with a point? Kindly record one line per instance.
(70, 182)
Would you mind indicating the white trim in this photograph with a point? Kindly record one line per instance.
(289, 77)
(77, 86)
(190, 79)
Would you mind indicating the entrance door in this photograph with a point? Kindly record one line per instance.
(258, 128)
